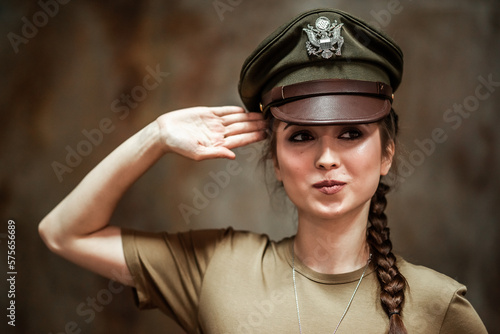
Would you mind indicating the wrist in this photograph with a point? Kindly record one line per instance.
(162, 134)
(151, 138)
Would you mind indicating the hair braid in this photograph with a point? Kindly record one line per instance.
(392, 282)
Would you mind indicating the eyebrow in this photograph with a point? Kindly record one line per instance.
(288, 125)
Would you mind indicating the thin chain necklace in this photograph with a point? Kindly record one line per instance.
(348, 304)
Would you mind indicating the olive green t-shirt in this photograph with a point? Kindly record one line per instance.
(226, 281)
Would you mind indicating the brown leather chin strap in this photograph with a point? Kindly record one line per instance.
(284, 94)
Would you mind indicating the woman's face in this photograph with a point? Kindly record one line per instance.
(330, 171)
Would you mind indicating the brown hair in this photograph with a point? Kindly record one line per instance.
(392, 282)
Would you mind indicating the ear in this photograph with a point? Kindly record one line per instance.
(387, 157)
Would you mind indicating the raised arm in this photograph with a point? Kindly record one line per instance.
(78, 227)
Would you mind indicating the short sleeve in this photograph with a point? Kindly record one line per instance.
(168, 270)
(461, 316)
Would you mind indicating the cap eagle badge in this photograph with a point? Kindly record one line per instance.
(323, 38)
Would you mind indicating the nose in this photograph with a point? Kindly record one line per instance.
(327, 157)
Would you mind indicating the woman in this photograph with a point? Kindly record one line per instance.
(324, 84)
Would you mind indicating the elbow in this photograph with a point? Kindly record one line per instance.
(46, 233)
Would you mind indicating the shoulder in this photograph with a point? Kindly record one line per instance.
(421, 277)
(199, 242)
(244, 250)
(427, 288)
(438, 301)
(242, 238)
(243, 244)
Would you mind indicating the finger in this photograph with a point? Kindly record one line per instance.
(244, 139)
(215, 153)
(245, 127)
(239, 117)
(227, 110)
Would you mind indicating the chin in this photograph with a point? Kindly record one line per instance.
(335, 211)
(328, 213)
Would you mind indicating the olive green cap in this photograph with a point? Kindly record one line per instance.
(323, 67)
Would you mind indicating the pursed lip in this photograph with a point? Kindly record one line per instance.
(329, 187)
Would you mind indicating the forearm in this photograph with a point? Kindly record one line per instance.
(89, 206)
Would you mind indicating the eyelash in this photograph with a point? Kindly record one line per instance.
(353, 134)
(348, 134)
(293, 137)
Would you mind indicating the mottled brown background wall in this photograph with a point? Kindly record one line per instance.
(77, 70)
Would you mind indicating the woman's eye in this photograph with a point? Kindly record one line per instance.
(351, 134)
(300, 137)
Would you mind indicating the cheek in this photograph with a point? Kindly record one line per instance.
(290, 164)
(285, 165)
(367, 158)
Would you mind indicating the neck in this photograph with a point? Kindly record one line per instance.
(333, 246)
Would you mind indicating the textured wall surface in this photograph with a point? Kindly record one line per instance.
(78, 66)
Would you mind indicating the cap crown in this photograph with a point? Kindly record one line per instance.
(306, 48)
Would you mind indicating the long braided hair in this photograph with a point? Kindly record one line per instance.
(392, 282)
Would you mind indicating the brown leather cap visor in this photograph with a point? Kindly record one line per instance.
(331, 101)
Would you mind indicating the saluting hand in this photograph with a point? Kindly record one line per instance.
(203, 133)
